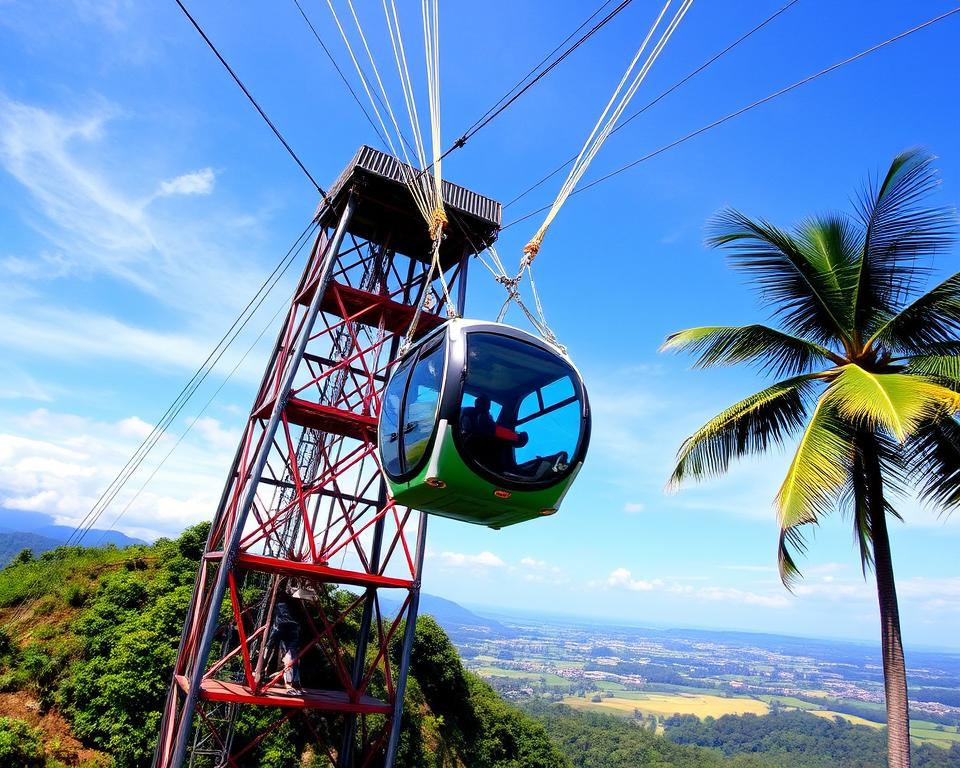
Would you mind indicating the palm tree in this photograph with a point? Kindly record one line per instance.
(867, 375)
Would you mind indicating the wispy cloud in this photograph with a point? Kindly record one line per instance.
(15, 384)
(623, 579)
(94, 225)
(729, 594)
(197, 183)
(479, 560)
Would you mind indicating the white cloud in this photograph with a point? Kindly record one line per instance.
(197, 183)
(212, 431)
(728, 594)
(134, 427)
(621, 578)
(483, 560)
(535, 571)
(634, 507)
(64, 472)
(835, 591)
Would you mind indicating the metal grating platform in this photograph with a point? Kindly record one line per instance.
(378, 179)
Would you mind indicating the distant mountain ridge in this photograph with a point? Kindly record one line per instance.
(38, 532)
(458, 622)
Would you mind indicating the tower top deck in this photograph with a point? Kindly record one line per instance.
(386, 212)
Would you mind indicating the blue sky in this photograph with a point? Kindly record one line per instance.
(142, 201)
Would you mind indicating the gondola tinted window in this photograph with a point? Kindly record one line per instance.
(521, 410)
(422, 401)
(390, 438)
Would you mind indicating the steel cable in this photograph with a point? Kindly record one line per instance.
(139, 455)
(742, 110)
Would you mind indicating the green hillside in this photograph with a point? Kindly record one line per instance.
(90, 636)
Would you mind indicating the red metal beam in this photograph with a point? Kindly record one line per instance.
(320, 573)
(336, 701)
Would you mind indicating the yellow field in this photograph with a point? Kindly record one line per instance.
(850, 718)
(667, 704)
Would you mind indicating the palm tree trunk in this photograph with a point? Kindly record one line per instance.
(894, 667)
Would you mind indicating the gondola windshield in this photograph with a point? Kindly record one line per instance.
(520, 411)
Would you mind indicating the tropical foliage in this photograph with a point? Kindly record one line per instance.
(93, 633)
(867, 370)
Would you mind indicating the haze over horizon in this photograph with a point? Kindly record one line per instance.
(144, 202)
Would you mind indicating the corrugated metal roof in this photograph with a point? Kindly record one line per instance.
(389, 167)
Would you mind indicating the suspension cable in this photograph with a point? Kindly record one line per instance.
(252, 100)
(742, 110)
(621, 97)
(629, 83)
(186, 431)
(496, 110)
(196, 380)
(343, 77)
(663, 95)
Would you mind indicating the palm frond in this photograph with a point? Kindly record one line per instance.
(860, 508)
(897, 402)
(791, 541)
(929, 321)
(934, 462)
(889, 458)
(833, 243)
(818, 471)
(752, 425)
(899, 231)
(801, 288)
(944, 369)
(773, 351)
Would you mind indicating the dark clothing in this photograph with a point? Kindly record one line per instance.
(285, 631)
(479, 437)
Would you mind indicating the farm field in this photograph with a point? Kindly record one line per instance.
(849, 718)
(925, 731)
(706, 705)
(548, 678)
(666, 704)
(650, 673)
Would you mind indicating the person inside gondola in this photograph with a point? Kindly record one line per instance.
(488, 442)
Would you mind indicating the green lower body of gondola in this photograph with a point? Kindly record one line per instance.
(449, 488)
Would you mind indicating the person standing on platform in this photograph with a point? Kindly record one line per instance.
(285, 632)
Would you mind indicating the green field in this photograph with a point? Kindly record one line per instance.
(787, 701)
(923, 730)
(547, 678)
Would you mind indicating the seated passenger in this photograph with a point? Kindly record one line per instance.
(489, 443)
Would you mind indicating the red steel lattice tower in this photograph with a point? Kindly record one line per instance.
(305, 502)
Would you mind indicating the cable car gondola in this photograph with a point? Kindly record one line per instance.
(484, 423)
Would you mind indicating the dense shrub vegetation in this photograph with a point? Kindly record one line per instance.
(97, 636)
